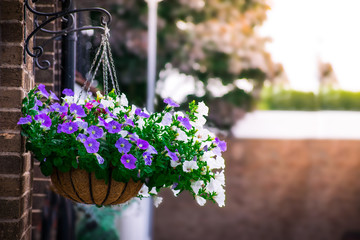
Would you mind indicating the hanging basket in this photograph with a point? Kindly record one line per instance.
(83, 187)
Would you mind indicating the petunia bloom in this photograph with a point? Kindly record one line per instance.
(151, 150)
(44, 119)
(142, 144)
(185, 121)
(77, 110)
(147, 158)
(171, 103)
(81, 137)
(89, 105)
(128, 160)
(172, 155)
(25, 120)
(141, 114)
(123, 145)
(42, 90)
(99, 158)
(53, 96)
(68, 92)
(220, 144)
(128, 121)
(95, 132)
(69, 127)
(113, 127)
(167, 119)
(91, 145)
(56, 107)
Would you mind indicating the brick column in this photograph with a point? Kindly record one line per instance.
(16, 78)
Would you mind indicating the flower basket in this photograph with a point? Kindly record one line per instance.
(83, 187)
(101, 150)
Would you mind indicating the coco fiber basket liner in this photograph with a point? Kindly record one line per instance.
(83, 187)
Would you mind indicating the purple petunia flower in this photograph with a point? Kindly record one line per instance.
(102, 122)
(128, 121)
(113, 127)
(43, 119)
(141, 114)
(171, 103)
(81, 137)
(91, 145)
(99, 158)
(110, 113)
(59, 128)
(53, 96)
(77, 110)
(151, 150)
(123, 145)
(56, 107)
(82, 124)
(221, 144)
(147, 158)
(167, 119)
(185, 121)
(172, 155)
(69, 127)
(25, 120)
(128, 160)
(133, 137)
(38, 102)
(142, 144)
(68, 92)
(95, 132)
(42, 90)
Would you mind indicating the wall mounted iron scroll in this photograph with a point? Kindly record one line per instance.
(67, 14)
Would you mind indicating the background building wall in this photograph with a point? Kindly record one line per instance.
(276, 189)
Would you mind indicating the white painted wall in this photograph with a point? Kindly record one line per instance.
(299, 125)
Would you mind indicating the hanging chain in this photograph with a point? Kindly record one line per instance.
(102, 57)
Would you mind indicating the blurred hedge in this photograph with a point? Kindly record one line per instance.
(277, 98)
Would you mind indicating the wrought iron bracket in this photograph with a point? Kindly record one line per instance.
(66, 15)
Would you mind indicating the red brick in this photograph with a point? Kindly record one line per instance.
(8, 120)
(11, 98)
(11, 230)
(11, 164)
(11, 77)
(14, 186)
(12, 32)
(10, 10)
(14, 208)
(11, 142)
(12, 55)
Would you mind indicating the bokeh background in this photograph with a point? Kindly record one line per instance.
(282, 82)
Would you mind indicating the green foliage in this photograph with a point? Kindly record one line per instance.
(327, 99)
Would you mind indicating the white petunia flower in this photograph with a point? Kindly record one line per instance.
(117, 110)
(174, 163)
(107, 103)
(202, 134)
(157, 200)
(196, 186)
(200, 200)
(109, 119)
(141, 123)
(153, 191)
(202, 109)
(190, 165)
(220, 198)
(123, 100)
(207, 155)
(144, 191)
(167, 119)
(175, 192)
(217, 163)
(181, 135)
(123, 133)
(69, 99)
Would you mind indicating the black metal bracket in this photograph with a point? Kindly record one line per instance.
(66, 15)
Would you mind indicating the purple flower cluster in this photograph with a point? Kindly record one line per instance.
(95, 132)
(123, 145)
(91, 145)
(69, 127)
(113, 126)
(77, 110)
(25, 120)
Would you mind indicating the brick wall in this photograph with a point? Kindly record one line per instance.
(16, 79)
(276, 190)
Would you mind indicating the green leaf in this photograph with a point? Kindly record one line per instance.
(46, 168)
(58, 162)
